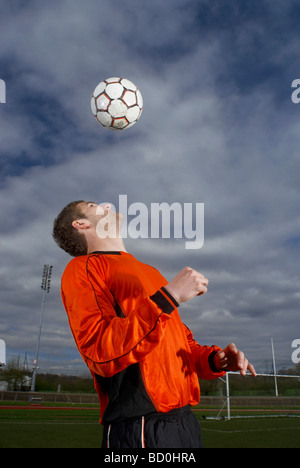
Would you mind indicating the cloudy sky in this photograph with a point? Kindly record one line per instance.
(219, 127)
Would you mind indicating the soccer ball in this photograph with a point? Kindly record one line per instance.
(117, 103)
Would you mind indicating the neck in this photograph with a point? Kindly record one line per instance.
(106, 245)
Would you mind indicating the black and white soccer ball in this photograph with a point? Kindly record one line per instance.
(117, 103)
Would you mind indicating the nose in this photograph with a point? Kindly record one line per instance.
(104, 208)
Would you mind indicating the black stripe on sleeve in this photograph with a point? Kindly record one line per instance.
(162, 302)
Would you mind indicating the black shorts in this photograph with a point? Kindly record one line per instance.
(177, 429)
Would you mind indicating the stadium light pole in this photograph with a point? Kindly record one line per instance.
(46, 283)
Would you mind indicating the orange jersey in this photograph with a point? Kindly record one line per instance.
(129, 333)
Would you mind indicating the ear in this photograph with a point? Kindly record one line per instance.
(81, 224)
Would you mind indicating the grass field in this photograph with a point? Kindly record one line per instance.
(34, 427)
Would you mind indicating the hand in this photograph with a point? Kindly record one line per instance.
(187, 284)
(231, 359)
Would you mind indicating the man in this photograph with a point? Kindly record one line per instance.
(124, 318)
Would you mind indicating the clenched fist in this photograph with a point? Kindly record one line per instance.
(187, 284)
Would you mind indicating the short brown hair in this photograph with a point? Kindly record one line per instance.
(65, 235)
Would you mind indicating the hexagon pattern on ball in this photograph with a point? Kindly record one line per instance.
(117, 103)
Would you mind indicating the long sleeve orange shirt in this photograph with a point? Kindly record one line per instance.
(129, 333)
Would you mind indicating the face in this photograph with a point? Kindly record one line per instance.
(106, 221)
(93, 210)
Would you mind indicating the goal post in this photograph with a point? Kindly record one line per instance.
(264, 394)
(228, 383)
